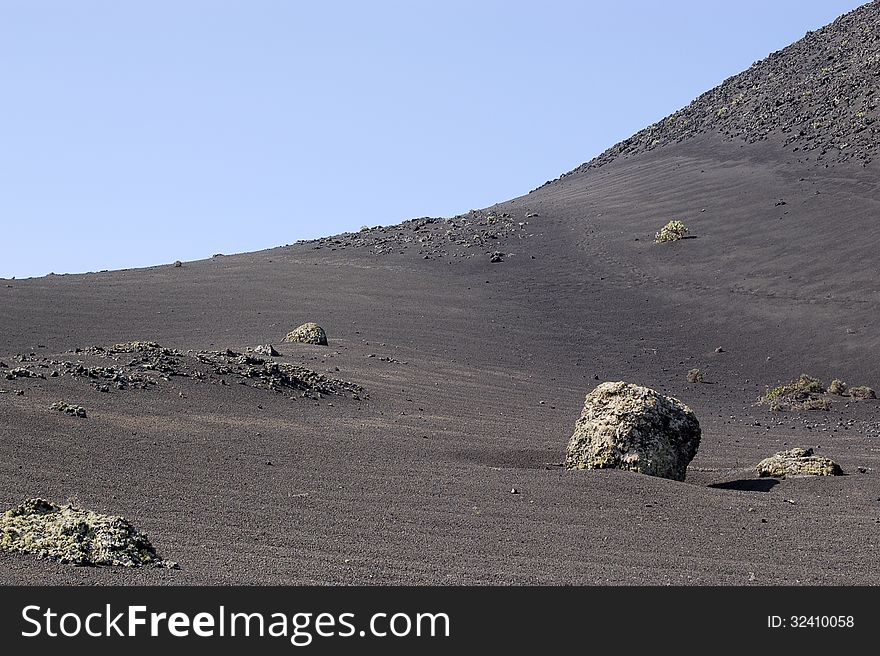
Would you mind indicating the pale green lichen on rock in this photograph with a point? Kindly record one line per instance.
(69, 534)
(797, 462)
(308, 333)
(672, 231)
(625, 426)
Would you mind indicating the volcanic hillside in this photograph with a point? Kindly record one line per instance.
(817, 97)
(425, 443)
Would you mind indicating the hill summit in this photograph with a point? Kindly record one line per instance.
(818, 97)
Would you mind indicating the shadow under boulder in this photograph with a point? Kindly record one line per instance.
(747, 485)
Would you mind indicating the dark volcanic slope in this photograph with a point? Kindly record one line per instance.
(474, 373)
(818, 97)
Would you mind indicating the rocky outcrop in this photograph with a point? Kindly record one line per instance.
(625, 426)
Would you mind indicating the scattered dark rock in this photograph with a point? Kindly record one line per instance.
(23, 372)
(68, 408)
(144, 365)
(463, 236)
(278, 376)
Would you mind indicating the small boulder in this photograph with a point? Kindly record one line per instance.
(308, 333)
(266, 349)
(797, 462)
(625, 426)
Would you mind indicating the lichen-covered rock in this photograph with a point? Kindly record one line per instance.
(72, 535)
(797, 462)
(308, 333)
(625, 426)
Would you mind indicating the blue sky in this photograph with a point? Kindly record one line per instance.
(139, 133)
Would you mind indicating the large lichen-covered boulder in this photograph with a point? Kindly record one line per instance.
(625, 426)
(797, 462)
(72, 535)
(308, 333)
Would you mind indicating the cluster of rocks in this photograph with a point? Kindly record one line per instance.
(819, 96)
(479, 233)
(277, 376)
(634, 428)
(143, 365)
(22, 372)
(69, 408)
(69, 534)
